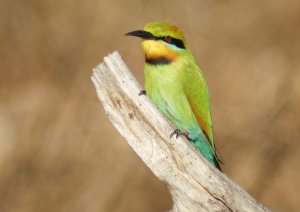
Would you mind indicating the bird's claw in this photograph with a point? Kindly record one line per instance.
(178, 133)
(142, 92)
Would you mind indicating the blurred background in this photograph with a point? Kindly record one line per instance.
(59, 152)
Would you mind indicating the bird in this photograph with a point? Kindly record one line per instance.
(176, 85)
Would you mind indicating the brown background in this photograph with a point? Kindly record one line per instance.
(59, 152)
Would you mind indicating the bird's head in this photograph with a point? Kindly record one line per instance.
(162, 42)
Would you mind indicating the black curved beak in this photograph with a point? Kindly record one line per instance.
(142, 34)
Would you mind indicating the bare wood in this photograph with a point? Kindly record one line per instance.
(193, 183)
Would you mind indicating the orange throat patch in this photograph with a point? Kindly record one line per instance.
(157, 51)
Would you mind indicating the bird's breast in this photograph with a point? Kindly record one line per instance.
(162, 81)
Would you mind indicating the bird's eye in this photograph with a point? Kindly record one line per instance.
(168, 39)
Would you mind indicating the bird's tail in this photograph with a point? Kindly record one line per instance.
(204, 147)
(216, 163)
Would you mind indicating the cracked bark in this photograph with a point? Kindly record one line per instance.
(193, 183)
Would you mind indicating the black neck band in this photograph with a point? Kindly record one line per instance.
(158, 61)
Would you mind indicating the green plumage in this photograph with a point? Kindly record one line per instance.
(177, 85)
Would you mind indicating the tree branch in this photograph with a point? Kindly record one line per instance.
(194, 184)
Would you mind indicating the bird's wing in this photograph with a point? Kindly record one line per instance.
(197, 95)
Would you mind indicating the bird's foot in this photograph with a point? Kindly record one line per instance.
(142, 92)
(178, 133)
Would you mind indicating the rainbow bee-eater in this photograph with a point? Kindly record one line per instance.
(176, 85)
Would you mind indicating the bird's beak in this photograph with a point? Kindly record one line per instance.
(142, 34)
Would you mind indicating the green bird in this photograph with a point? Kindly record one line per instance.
(175, 83)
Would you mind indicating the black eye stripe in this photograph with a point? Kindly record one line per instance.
(149, 36)
(173, 41)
